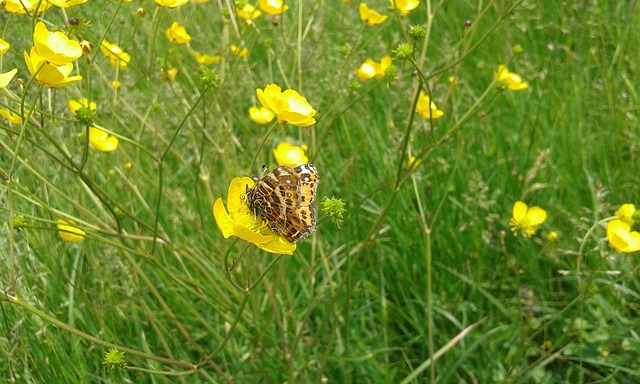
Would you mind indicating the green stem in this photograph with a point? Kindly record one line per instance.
(53, 321)
(161, 163)
(264, 140)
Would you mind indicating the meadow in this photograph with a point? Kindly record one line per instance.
(478, 166)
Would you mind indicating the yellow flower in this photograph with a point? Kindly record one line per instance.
(370, 69)
(68, 231)
(526, 220)
(248, 13)
(52, 76)
(67, 3)
(552, 237)
(55, 47)
(4, 46)
(86, 47)
(237, 52)
(261, 115)
(237, 220)
(115, 54)
(626, 212)
(371, 17)
(289, 106)
(102, 141)
(116, 84)
(206, 59)
(413, 163)
(509, 79)
(5, 78)
(404, 6)
(427, 108)
(171, 3)
(74, 105)
(291, 155)
(20, 7)
(621, 238)
(177, 34)
(169, 74)
(272, 7)
(12, 117)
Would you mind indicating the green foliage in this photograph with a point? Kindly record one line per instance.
(422, 263)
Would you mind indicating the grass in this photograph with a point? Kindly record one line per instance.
(422, 282)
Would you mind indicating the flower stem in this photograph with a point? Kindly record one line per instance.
(53, 321)
(264, 140)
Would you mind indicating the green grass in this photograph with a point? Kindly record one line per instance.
(427, 269)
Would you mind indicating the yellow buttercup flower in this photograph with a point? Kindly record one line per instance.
(526, 220)
(206, 59)
(288, 106)
(427, 108)
(291, 155)
(86, 46)
(115, 54)
(10, 116)
(4, 46)
(370, 69)
(20, 7)
(55, 47)
(413, 163)
(621, 238)
(552, 237)
(67, 3)
(261, 115)
(116, 84)
(272, 7)
(169, 74)
(171, 3)
(53, 76)
(237, 220)
(371, 17)
(248, 13)
(5, 78)
(102, 141)
(626, 213)
(509, 79)
(177, 34)
(68, 231)
(74, 105)
(237, 52)
(404, 6)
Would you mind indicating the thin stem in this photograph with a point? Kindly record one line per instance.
(53, 321)
(161, 163)
(264, 140)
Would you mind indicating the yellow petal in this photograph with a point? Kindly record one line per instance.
(536, 216)
(519, 211)
(5, 78)
(621, 238)
(69, 232)
(223, 220)
(12, 117)
(102, 141)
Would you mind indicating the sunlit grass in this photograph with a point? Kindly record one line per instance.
(421, 280)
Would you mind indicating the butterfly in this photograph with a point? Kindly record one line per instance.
(283, 198)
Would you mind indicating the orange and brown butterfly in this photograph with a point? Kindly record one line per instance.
(283, 198)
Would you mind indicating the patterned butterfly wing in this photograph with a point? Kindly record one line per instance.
(283, 200)
(274, 195)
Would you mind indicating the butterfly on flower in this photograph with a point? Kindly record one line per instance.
(283, 198)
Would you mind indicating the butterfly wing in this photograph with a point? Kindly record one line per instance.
(283, 200)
